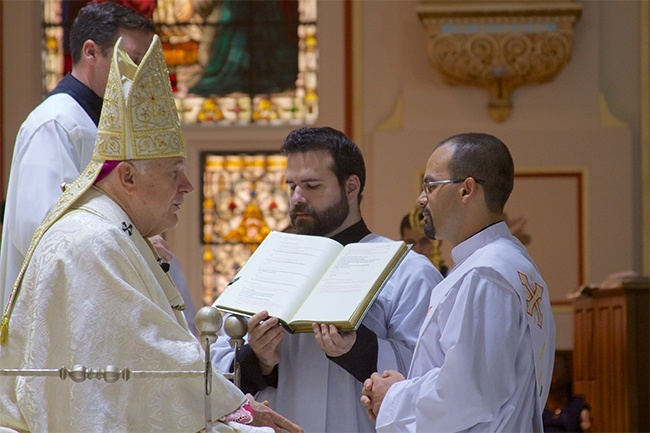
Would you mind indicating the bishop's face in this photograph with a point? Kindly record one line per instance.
(161, 187)
(318, 203)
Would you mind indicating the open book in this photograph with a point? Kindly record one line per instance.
(302, 279)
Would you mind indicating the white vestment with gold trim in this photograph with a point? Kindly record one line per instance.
(94, 295)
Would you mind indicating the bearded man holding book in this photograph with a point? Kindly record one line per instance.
(314, 378)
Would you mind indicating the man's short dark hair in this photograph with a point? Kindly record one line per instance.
(101, 22)
(347, 156)
(485, 157)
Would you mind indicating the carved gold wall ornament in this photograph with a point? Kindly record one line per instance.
(499, 45)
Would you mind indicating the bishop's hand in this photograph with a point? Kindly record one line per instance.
(264, 416)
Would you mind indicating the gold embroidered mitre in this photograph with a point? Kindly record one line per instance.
(139, 118)
(138, 121)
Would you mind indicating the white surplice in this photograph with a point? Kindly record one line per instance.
(53, 146)
(319, 395)
(94, 295)
(484, 356)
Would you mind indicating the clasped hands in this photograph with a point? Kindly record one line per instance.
(374, 390)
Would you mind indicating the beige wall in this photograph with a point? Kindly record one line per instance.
(563, 126)
(21, 69)
(402, 108)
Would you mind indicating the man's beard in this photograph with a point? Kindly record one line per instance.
(429, 229)
(320, 223)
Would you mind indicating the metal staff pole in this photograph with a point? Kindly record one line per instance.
(236, 327)
(109, 374)
(208, 321)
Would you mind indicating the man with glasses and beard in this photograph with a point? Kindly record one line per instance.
(315, 380)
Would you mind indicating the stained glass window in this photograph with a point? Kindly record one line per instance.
(244, 197)
(231, 62)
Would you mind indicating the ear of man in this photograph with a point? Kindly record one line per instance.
(90, 51)
(127, 176)
(352, 186)
(469, 189)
